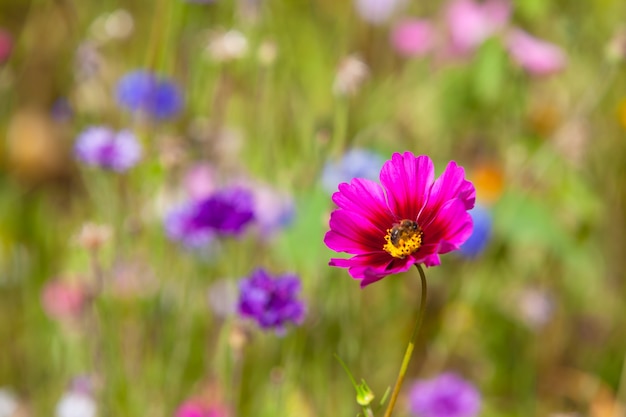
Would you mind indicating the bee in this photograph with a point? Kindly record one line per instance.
(403, 230)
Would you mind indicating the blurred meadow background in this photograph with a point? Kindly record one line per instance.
(108, 306)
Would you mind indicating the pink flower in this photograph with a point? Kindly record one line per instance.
(62, 300)
(410, 218)
(6, 46)
(193, 408)
(200, 181)
(412, 37)
(534, 55)
(471, 23)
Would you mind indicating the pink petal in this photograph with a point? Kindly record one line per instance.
(470, 23)
(371, 265)
(534, 55)
(451, 184)
(367, 199)
(407, 180)
(450, 228)
(352, 233)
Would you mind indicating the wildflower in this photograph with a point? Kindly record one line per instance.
(8, 403)
(471, 23)
(481, 233)
(535, 307)
(6, 46)
(351, 74)
(225, 212)
(271, 302)
(273, 209)
(355, 163)
(103, 147)
(413, 37)
(411, 219)
(76, 402)
(143, 92)
(196, 408)
(537, 57)
(227, 46)
(63, 300)
(92, 236)
(447, 395)
(199, 181)
(377, 11)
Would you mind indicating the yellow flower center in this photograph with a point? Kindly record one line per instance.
(403, 239)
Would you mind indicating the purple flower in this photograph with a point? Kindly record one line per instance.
(534, 55)
(413, 37)
(446, 395)
(271, 302)
(226, 212)
(411, 219)
(143, 92)
(103, 147)
(479, 239)
(355, 163)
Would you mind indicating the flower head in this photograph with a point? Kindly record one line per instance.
(103, 147)
(377, 12)
(470, 23)
(225, 212)
(447, 395)
(413, 37)
(537, 57)
(411, 219)
(143, 92)
(63, 300)
(271, 302)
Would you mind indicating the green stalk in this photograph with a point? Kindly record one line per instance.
(410, 347)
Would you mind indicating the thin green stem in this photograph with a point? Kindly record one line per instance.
(411, 346)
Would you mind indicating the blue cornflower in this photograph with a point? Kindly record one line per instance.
(143, 92)
(271, 301)
(481, 234)
(355, 163)
(225, 212)
(103, 147)
(447, 395)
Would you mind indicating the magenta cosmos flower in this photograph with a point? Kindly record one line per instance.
(410, 218)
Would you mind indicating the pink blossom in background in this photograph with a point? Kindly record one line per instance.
(6, 45)
(471, 23)
(536, 56)
(62, 300)
(377, 11)
(194, 408)
(200, 181)
(413, 37)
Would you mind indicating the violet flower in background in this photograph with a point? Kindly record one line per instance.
(537, 57)
(225, 212)
(446, 395)
(355, 163)
(78, 400)
(471, 23)
(273, 209)
(478, 241)
(143, 92)
(103, 147)
(200, 181)
(413, 37)
(271, 301)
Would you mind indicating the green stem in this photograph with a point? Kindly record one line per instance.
(409, 349)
